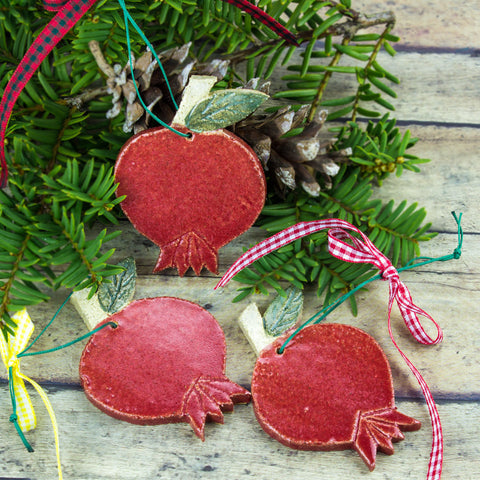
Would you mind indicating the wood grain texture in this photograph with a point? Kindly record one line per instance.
(435, 87)
(438, 288)
(96, 446)
(427, 24)
(449, 182)
(439, 101)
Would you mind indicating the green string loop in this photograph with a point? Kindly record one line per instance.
(128, 19)
(457, 253)
(14, 417)
(22, 353)
(68, 344)
(322, 314)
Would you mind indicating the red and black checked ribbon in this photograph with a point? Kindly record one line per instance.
(362, 250)
(266, 19)
(54, 5)
(68, 15)
(69, 12)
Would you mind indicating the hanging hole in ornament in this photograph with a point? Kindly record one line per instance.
(280, 350)
(113, 324)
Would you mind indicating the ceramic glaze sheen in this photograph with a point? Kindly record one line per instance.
(190, 196)
(163, 363)
(330, 389)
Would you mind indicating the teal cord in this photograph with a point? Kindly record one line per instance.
(68, 344)
(322, 314)
(13, 416)
(128, 19)
(22, 353)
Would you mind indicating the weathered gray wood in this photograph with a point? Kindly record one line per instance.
(96, 446)
(449, 182)
(433, 88)
(445, 290)
(425, 23)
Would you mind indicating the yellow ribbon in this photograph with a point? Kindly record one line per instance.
(11, 352)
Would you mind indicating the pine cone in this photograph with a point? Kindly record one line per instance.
(293, 160)
(151, 84)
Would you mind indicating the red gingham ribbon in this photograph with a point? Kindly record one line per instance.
(364, 251)
(69, 12)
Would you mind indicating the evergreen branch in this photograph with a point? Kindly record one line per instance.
(73, 247)
(368, 66)
(8, 58)
(347, 29)
(233, 28)
(7, 286)
(324, 82)
(243, 55)
(380, 149)
(359, 22)
(79, 101)
(58, 141)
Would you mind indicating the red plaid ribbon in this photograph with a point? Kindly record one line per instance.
(69, 12)
(54, 5)
(362, 250)
(266, 19)
(56, 29)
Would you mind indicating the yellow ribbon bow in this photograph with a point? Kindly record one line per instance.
(11, 351)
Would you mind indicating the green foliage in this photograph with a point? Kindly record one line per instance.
(371, 84)
(380, 149)
(62, 147)
(59, 183)
(43, 238)
(283, 312)
(223, 108)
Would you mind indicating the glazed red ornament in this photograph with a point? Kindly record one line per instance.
(367, 435)
(330, 389)
(190, 196)
(163, 363)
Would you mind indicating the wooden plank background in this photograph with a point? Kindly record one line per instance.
(439, 65)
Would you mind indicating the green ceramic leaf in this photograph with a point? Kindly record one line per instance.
(283, 312)
(117, 294)
(223, 108)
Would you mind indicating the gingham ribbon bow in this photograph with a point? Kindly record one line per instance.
(362, 250)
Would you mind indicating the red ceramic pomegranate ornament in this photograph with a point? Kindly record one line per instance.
(163, 362)
(343, 399)
(329, 386)
(191, 195)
